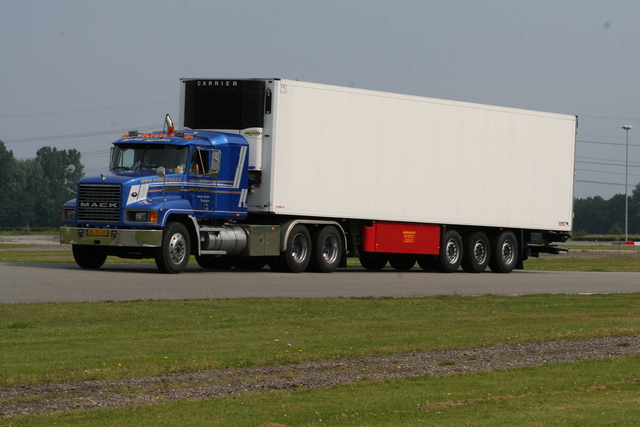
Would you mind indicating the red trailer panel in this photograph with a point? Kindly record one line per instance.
(403, 238)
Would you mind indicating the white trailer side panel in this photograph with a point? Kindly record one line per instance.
(350, 153)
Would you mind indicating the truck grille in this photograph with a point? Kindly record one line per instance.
(99, 203)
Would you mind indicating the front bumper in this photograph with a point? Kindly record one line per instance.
(111, 237)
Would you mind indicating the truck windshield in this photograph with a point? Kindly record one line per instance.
(149, 157)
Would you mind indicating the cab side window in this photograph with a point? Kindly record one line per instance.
(199, 162)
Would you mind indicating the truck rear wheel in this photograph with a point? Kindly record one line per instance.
(174, 254)
(88, 256)
(451, 252)
(373, 261)
(327, 249)
(429, 262)
(475, 252)
(296, 257)
(402, 262)
(504, 252)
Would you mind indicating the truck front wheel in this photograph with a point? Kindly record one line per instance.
(88, 256)
(174, 254)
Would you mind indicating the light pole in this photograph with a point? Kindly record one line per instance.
(626, 186)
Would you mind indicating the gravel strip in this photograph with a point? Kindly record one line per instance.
(197, 385)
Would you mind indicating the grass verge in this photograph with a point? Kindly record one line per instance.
(84, 341)
(588, 393)
(611, 265)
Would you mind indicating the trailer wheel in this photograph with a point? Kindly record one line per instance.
(475, 252)
(174, 254)
(373, 261)
(402, 262)
(327, 249)
(429, 262)
(89, 256)
(451, 252)
(296, 257)
(504, 252)
(212, 262)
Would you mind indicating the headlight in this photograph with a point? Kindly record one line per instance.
(69, 214)
(142, 216)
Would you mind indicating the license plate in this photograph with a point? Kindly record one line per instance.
(97, 232)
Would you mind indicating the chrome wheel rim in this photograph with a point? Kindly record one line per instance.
(299, 248)
(330, 249)
(177, 248)
(452, 251)
(507, 252)
(480, 252)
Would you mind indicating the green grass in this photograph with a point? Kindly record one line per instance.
(58, 256)
(588, 393)
(77, 341)
(29, 231)
(628, 264)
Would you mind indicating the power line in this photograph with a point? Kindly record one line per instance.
(74, 135)
(85, 110)
(607, 164)
(604, 183)
(611, 118)
(610, 173)
(607, 143)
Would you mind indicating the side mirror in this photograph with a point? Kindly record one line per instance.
(161, 172)
(215, 165)
(70, 169)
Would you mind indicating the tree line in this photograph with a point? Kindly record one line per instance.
(33, 191)
(595, 215)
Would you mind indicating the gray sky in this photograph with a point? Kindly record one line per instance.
(77, 74)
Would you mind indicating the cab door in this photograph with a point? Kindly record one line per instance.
(203, 179)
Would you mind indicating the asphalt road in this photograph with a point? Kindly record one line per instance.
(42, 282)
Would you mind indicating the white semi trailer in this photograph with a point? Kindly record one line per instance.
(404, 178)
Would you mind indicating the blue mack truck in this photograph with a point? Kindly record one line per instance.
(163, 191)
(299, 176)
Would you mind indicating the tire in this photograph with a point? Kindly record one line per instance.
(402, 262)
(504, 252)
(88, 256)
(212, 262)
(373, 261)
(450, 256)
(475, 252)
(296, 258)
(174, 254)
(429, 262)
(327, 249)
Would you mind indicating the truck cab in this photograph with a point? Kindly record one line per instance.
(159, 191)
